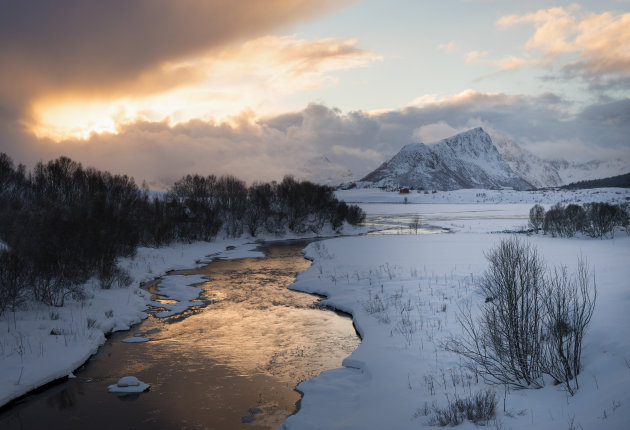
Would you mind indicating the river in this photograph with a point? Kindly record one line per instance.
(233, 363)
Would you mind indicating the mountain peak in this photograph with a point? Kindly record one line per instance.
(465, 160)
(472, 131)
(475, 137)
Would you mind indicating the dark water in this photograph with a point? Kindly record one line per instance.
(236, 360)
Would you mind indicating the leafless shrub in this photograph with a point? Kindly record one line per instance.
(415, 224)
(504, 344)
(569, 306)
(479, 409)
(114, 275)
(533, 321)
(574, 220)
(14, 279)
(377, 307)
(602, 218)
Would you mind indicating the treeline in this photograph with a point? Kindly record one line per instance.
(64, 224)
(592, 219)
(619, 181)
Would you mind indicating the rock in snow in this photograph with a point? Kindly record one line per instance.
(128, 384)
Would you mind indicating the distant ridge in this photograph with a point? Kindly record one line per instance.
(619, 181)
(543, 173)
(466, 160)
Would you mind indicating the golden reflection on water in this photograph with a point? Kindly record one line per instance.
(258, 325)
(248, 348)
(259, 331)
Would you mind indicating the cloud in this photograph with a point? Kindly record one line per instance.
(123, 47)
(553, 26)
(90, 41)
(589, 45)
(475, 56)
(255, 148)
(254, 74)
(432, 133)
(510, 63)
(449, 47)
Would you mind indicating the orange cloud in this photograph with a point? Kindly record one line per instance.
(510, 63)
(505, 64)
(109, 49)
(221, 83)
(597, 44)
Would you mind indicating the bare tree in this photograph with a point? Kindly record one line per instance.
(415, 224)
(536, 217)
(601, 218)
(13, 281)
(554, 220)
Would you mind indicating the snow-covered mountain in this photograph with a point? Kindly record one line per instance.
(545, 173)
(323, 171)
(573, 172)
(466, 160)
(538, 172)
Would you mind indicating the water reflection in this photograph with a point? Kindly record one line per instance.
(232, 362)
(404, 223)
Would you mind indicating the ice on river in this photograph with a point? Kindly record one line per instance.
(135, 339)
(128, 385)
(181, 290)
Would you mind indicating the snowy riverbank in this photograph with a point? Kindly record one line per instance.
(39, 343)
(404, 292)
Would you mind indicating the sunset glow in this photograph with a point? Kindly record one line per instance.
(76, 120)
(220, 85)
(251, 76)
(392, 174)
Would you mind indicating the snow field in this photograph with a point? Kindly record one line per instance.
(470, 196)
(404, 292)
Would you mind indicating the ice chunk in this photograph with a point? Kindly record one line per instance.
(135, 339)
(128, 384)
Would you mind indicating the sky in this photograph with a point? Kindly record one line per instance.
(157, 89)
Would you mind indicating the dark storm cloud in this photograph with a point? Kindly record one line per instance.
(95, 47)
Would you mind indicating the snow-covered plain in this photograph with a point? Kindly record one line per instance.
(489, 197)
(404, 292)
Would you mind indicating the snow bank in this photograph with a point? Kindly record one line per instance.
(404, 292)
